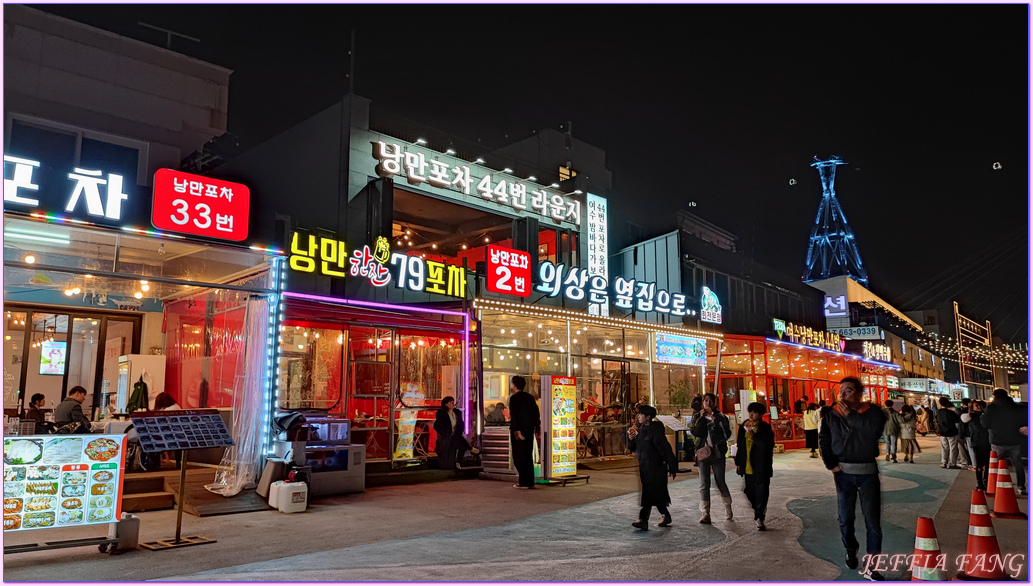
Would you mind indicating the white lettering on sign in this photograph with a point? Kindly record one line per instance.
(88, 184)
(21, 179)
(876, 352)
(598, 252)
(628, 293)
(395, 159)
(835, 306)
(710, 309)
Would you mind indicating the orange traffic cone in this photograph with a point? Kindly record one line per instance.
(927, 564)
(1005, 505)
(983, 555)
(991, 475)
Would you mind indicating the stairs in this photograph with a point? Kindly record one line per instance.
(145, 492)
(495, 450)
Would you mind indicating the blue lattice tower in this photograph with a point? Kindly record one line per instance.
(833, 250)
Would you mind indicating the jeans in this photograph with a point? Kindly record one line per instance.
(719, 477)
(1014, 455)
(643, 514)
(757, 490)
(866, 486)
(963, 452)
(948, 450)
(522, 460)
(891, 446)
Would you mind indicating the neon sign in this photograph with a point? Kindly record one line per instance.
(807, 336)
(710, 311)
(598, 249)
(575, 284)
(876, 352)
(87, 188)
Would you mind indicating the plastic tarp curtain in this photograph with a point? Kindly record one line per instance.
(241, 464)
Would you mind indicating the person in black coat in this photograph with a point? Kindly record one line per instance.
(525, 421)
(756, 448)
(978, 442)
(656, 460)
(451, 443)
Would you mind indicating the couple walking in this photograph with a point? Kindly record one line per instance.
(711, 432)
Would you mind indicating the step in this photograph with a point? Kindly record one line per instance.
(134, 483)
(147, 501)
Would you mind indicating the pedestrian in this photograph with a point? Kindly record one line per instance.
(711, 432)
(978, 442)
(656, 460)
(69, 414)
(908, 422)
(753, 460)
(849, 441)
(524, 425)
(1005, 420)
(964, 443)
(891, 431)
(810, 428)
(800, 406)
(450, 444)
(947, 421)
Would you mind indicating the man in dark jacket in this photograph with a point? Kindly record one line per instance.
(849, 440)
(656, 461)
(947, 420)
(70, 410)
(1004, 419)
(524, 423)
(756, 447)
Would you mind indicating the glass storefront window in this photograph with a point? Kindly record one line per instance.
(819, 369)
(602, 341)
(14, 346)
(758, 363)
(799, 363)
(636, 344)
(312, 357)
(735, 347)
(736, 364)
(429, 368)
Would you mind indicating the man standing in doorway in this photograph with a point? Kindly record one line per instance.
(849, 440)
(524, 423)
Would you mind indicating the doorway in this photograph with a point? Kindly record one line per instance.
(49, 350)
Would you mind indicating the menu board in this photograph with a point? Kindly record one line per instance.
(187, 429)
(563, 449)
(675, 349)
(62, 480)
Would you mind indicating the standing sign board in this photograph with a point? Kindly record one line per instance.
(62, 480)
(559, 421)
(188, 429)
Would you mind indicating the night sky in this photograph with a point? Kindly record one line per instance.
(720, 105)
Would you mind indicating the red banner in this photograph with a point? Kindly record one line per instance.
(202, 206)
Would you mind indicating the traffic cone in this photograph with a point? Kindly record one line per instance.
(991, 475)
(1005, 505)
(983, 554)
(926, 564)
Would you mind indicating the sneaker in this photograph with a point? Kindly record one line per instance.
(887, 457)
(665, 522)
(894, 460)
(871, 575)
(760, 525)
(954, 467)
(523, 487)
(851, 559)
(641, 525)
(943, 465)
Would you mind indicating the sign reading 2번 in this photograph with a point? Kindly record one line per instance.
(509, 271)
(202, 206)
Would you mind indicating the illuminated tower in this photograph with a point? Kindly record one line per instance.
(832, 251)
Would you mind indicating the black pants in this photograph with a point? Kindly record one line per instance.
(522, 459)
(982, 465)
(757, 490)
(643, 515)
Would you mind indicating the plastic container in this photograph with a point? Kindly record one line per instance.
(292, 497)
(274, 493)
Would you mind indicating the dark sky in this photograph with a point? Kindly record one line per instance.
(721, 105)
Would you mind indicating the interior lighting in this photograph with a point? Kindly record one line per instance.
(138, 295)
(76, 290)
(487, 239)
(145, 287)
(68, 292)
(463, 246)
(478, 161)
(449, 152)
(434, 246)
(507, 170)
(421, 141)
(399, 243)
(29, 259)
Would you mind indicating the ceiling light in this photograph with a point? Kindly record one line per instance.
(486, 239)
(145, 287)
(29, 259)
(68, 292)
(434, 246)
(399, 243)
(138, 295)
(143, 282)
(463, 246)
(76, 290)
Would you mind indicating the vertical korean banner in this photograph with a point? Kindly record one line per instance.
(563, 436)
(598, 256)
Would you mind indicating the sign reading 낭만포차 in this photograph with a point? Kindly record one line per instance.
(203, 206)
(508, 271)
(501, 188)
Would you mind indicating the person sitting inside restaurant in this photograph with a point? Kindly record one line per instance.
(497, 415)
(69, 415)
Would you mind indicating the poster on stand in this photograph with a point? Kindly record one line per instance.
(560, 416)
(62, 480)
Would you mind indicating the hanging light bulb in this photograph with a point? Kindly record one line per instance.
(29, 259)
(145, 287)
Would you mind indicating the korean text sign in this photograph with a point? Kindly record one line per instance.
(509, 271)
(675, 349)
(563, 420)
(202, 206)
(62, 480)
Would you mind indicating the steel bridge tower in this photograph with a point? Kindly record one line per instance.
(832, 250)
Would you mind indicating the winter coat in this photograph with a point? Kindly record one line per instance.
(892, 427)
(656, 460)
(524, 415)
(1004, 418)
(978, 436)
(70, 411)
(718, 430)
(947, 421)
(923, 421)
(810, 420)
(908, 425)
(450, 440)
(850, 438)
(761, 453)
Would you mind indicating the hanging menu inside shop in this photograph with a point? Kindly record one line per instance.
(62, 480)
(187, 429)
(563, 449)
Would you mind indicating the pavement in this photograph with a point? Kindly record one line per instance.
(479, 530)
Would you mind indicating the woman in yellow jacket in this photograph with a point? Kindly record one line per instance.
(810, 428)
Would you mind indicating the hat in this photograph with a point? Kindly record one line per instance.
(647, 410)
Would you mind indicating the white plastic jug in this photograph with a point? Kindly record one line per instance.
(293, 497)
(274, 493)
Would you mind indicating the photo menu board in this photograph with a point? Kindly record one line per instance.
(188, 429)
(563, 426)
(62, 480)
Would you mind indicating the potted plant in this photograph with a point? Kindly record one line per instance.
(678, 395)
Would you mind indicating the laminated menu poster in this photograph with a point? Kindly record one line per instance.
(563, 449)
(62, 480)
(188, 429)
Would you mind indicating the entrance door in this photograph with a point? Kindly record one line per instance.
(616, 404)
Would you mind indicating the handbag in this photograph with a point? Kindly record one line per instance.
(706, 454)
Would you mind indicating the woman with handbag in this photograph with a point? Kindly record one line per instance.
(710, 428)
